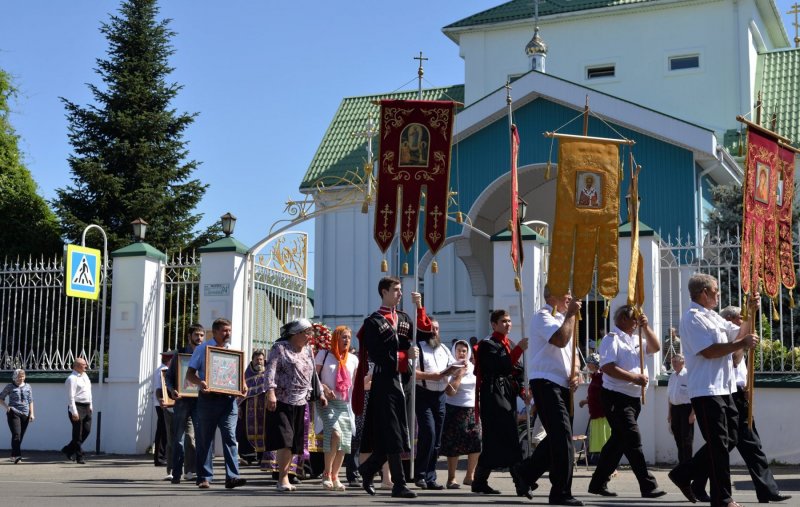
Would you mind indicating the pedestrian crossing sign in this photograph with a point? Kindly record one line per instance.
(83, 272)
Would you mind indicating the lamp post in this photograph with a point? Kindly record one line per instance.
(228, 224)
(139, 229)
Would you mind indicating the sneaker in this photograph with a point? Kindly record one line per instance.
(168, 477)
(189, 476)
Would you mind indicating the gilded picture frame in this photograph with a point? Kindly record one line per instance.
(166, 401)
(225, 370)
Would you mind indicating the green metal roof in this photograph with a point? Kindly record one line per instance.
(340, 152)
(778, 79)
(523, 9)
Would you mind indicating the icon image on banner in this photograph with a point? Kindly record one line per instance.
(83, 272)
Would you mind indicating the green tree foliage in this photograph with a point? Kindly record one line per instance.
(727, 213)
(130, 159)
(29, 226)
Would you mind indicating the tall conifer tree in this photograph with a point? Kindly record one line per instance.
(130, 159)
(29, 226)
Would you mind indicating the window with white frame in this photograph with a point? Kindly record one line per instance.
(600, 71)
(684, 62)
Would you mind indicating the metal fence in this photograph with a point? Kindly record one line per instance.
(181, 298)
(41, 328)
(718, 256)
(278, 288)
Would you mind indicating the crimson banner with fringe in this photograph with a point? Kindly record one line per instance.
(415, 144)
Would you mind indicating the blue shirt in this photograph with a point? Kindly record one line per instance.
(19, 397)
(198, 360)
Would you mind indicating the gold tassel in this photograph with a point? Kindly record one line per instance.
(510, 226)
(775, 315)
(434, 267)
(621, 169)
(384, 266)
(459, 218)
(365, 206)
(791, 300)
(405, 268)
(517, 284)
(578, 316)
(547, 171)
(605, 310)
(744, 308)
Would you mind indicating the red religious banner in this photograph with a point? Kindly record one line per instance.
(415, 144)
(768, 193)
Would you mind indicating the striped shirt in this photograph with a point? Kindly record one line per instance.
(19, 397)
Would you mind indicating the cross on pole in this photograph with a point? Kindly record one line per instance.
(795, 9)
(370, 131)
(420, 73)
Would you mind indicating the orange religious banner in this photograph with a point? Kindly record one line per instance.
(415, 145)
(784, 200)
(587, 217)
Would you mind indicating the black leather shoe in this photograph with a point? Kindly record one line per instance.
(484, 488)
(368, 487)
(602, 491)
(775, 498)
(420, 483)
(434, 486)
(176, 480)
(80, 461)
(701, 495)
(403, 492)
(68, 454)
(520, 484)
(234, 482)
(653, 493)
(565, 501)
(685, 487)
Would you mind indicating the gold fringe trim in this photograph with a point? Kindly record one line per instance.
(405, 268)
(517, 284)
(384, 266)
(434, 267)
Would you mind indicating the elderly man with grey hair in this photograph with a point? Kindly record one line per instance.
(681, 415)
(713, 346)
(748, 441)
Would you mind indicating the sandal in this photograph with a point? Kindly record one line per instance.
(282, 489)
(453, 485)
(338, 486)
(327, 483)
(467, 482)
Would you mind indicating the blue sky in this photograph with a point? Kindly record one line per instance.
(265, 77)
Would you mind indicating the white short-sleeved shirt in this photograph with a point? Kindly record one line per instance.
(622, 349)
(678, 388)
(741, 373)
(434, 361)
(545, 360)
(701, 328)
(327, 374)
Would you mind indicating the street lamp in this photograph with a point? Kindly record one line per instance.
(139, 229)
(228, 223)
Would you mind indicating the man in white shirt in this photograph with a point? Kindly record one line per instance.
(712, 346)
(430, 397)
(552, 375)
(79, 409)
(681, 415)
(623, 380)
(748, 441)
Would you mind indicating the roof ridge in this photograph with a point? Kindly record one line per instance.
(397, 92)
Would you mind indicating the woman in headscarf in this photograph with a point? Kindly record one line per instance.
(462, 430)
(19, 411)
(289, 372)
(336, 368)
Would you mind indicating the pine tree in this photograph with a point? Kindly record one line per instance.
(29, 226)
(130, 159)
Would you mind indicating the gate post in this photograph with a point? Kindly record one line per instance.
(648, 246)
(136, 335)
(223, 287)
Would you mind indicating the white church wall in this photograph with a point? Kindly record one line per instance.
(707, 95)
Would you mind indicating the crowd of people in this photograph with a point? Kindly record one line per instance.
(461, 400)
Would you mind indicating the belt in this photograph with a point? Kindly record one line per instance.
(83, 404)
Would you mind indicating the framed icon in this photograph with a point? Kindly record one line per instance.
(166, 401)
(185, 388)
(589, 190)
(761, 192)
(225, 370)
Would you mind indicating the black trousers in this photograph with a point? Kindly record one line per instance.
(717, 418)
(375, 462)
(749, 445)
(622, 411)
(555, 453)
(682, 430)
(17, 423)
(80, 429)
(430, 409)
(160, 446)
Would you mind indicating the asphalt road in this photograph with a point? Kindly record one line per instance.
(46, 479)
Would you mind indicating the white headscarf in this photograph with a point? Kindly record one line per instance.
(470, 366)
